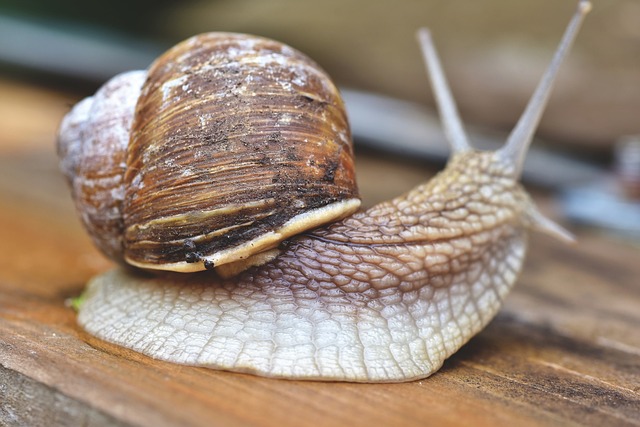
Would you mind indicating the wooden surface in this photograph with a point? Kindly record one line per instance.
(564, 350)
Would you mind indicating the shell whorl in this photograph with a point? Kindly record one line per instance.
(234, 136)
(92, 145)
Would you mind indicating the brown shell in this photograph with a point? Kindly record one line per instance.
(237, 143)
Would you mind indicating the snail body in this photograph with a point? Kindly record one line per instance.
(382, 295)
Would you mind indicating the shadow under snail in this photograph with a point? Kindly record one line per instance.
(233, 153)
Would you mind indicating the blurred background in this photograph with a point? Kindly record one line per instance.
(494, 51)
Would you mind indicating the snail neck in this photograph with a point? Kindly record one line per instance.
(475, 194)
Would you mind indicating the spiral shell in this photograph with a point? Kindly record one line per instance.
(237, 142)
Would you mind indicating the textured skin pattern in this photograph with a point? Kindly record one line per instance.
(383, 296)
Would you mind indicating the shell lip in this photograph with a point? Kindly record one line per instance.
(296, 225)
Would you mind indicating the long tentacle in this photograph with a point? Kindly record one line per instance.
(518, 142)
(451, 122)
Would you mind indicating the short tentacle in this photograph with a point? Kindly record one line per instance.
(541, 223)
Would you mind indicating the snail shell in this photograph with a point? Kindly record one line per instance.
(228, 145)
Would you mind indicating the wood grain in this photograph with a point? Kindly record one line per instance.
(564, 350)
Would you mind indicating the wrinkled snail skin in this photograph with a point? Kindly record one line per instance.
(383, 295)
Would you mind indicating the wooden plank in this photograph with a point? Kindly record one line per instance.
(564, 350)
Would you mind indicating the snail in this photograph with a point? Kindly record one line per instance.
(384, 294)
